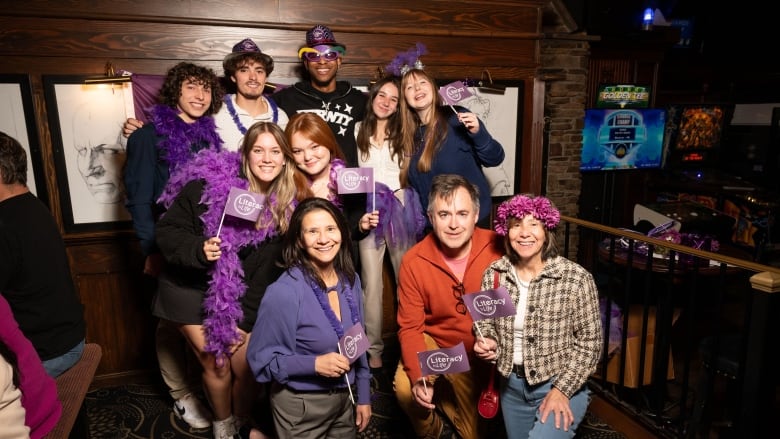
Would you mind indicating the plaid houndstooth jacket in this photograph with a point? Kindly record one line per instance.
(562, 333)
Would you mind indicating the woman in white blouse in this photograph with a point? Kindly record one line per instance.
(400, 214)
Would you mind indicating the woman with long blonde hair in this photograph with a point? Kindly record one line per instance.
(219, 266)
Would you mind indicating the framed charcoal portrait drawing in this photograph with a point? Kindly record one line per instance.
(89, 150)
(500, 108)
(17, 119)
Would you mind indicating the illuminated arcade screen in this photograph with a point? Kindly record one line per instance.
(694, 133)
(622, 139)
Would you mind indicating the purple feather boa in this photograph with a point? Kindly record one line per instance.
(179, 138)
(335, 322)
(333, 178)
(222, 302)
(335, 166)
(400, 225)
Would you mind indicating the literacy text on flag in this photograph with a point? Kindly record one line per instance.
(454, 92)
(354, 343)
(244, 204)
(355, 180)
(445, 360)
(489, 304)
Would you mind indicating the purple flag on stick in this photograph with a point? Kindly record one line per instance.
(354, 343)
(446, 360)
(355, 180)
(489, 304)
(454, 92)
(244, 204)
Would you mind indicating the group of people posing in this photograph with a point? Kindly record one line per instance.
(263, 304)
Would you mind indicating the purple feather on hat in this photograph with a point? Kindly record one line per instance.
(405, 61)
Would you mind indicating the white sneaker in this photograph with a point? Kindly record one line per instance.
(224, 429)
(191, 410)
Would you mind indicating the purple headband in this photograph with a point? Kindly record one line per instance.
(521, 205)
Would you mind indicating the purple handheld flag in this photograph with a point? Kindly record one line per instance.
(355, 180)
(244, 204)
(658, 231)
(489, 304)
(354, 343)
(454, 92)
(446, 360)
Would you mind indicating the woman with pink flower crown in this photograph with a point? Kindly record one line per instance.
(548, 349)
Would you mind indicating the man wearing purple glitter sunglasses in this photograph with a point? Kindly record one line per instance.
(341, 105)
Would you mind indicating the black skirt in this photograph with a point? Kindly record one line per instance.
(178, 303)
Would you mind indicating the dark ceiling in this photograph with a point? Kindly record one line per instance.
(731, 54)
(728, 34)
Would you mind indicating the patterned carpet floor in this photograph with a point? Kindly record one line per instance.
(145, 411)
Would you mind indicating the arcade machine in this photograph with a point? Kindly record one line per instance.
(622, 142)
(701, 185)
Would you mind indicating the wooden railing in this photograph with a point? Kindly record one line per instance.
(696, 347)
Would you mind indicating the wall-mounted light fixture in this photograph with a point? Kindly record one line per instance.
(109, 76)
(488, 86)
(378, 74)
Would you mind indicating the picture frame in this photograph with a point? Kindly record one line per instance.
(499, 105)
(89, 150)
(17, 119)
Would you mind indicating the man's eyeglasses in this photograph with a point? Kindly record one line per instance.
(328, 55)
(457, 292)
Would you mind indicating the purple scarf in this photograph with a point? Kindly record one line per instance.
(220, 171)
(179, 138)
(333, 181)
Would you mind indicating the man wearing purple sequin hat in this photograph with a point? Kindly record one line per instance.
(341, 105)
(248, 69)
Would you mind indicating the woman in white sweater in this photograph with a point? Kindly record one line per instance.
(11, 409)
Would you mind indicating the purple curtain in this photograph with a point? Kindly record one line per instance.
(145, 91)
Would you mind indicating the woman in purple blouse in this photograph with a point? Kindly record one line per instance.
(315, 390)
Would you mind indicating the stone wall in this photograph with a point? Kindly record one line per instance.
(565, 70)
(565, 64)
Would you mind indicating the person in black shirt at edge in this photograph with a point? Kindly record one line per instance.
(35, 274)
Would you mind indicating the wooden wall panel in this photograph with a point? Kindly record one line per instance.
(126, 43)
(150, 10)
(462, 17)
(116, 301)
(493, 18)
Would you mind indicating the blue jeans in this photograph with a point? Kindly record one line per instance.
(520, 406)
(56, 366)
